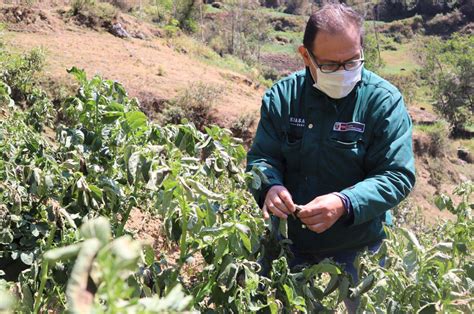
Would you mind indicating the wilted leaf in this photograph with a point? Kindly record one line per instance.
(27, 258)
(97, 228)
(62, 253)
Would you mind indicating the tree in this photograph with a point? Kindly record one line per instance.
(448, 67)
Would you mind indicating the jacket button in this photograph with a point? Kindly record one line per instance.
(310, 126)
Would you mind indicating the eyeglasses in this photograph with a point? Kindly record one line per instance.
(350, 65)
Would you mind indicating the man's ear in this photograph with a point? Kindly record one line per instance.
(304, 55)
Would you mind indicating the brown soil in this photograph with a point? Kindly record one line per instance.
(148, 228)
(420, 115)
(284, 64)
(436, 176)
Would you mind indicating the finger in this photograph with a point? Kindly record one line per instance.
(313, 220)
(280, 205)
(286, 198)
(308, 211)
(271, 207)
(318, 228)
(266, 215)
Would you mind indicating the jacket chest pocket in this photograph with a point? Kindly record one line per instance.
(346, 140)
(343, 160)
(291, 151)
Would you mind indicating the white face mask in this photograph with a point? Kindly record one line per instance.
(337, 84)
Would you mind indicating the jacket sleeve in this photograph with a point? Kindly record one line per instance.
(389, 163)
(265, 152)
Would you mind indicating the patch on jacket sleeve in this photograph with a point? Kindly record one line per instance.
(349, 126)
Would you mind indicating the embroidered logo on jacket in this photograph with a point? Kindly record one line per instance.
(297, 122)
(349, 126)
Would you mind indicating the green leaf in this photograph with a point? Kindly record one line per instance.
(411, 238)
(136, 120)
(227, 278)
(201, 189)
(283, 227)
(80, 75)
(324, 266)
(332, 285)
(149, 255)
(256, 182)
(35, 231)
(246, 241)
(126, 252)
(175, 302)
(96, 192)
(289, 293)
(363, 286)
(343, 289)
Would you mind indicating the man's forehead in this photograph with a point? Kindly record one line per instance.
(339, 46)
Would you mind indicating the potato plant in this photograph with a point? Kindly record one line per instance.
(64, 206)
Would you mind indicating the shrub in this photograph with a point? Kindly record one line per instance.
(270, 73)
(195, 103)
(93, 14)
(298, 7)
(172, 29)
(124, 5)
(20, 71)
(373, 60)
(445, 23)
(79, 6)
(439, 139)
(242, 127)
(242, 32)
(407, 84)
(437, 171)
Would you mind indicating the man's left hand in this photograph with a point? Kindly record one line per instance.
(322, 212)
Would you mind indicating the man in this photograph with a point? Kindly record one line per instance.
(335, 139)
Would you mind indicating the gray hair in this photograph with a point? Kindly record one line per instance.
(332, 18)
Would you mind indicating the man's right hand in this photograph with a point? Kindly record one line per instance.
(279, 202)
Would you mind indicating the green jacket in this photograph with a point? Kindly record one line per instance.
(360, 145)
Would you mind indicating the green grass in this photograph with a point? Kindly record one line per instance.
(396, 60)
(209, 9)
(280, 48)
(469, 127)
(295, 38)
(208, 56)
(465, 143)
(275, 13)
(425, 128)
(369, 25)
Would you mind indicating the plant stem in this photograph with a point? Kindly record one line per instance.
(44, 271)
(127, 213)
